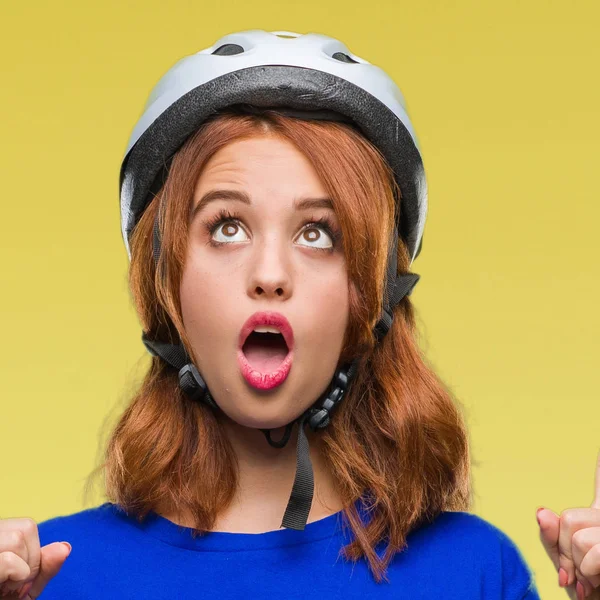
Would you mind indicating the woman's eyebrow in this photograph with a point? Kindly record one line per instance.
(304, 203)
(213, 195)
(240, 196)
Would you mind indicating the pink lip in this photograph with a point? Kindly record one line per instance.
(266, 381)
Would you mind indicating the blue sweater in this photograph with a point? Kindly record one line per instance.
(459, 556)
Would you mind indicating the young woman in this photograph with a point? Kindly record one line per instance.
(289, 437)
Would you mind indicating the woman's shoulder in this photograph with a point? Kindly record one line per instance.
(105, 559)
(473, 543)
(93, 515)
(468, 525)
(470, 534)
(99, 520)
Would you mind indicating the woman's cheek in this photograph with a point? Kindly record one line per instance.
(330, 310)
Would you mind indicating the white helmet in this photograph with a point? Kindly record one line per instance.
(273, 69)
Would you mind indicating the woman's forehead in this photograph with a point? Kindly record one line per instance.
(252, 153)
(262, 168)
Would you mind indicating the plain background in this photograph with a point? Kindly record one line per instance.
(504, 98)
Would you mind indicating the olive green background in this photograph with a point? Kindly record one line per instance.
(504, 97)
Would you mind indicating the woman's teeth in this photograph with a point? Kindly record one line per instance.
(266, 329)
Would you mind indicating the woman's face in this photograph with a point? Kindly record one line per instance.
(265, 256)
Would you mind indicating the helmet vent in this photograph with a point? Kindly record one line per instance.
(229, 50)
(343, 58)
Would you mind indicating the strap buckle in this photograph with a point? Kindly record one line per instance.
(191, 382)
(320, 416)
(383, 325)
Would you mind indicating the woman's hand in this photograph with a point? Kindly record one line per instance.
(572, 542)
(25, 568)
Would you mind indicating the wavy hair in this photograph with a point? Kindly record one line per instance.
(398, 440)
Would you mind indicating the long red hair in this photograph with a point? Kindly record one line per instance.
(399, 433)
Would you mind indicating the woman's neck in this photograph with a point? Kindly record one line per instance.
(266, 477)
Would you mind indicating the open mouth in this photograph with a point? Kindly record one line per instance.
(265, 352)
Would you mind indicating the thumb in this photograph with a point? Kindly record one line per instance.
(52, 558)
(549, 523)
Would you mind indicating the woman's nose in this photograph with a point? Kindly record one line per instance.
(270, 271)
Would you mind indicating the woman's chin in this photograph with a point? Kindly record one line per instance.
(262, 422)
(261, 416)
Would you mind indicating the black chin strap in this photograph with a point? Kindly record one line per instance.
(317, 416)
(298, 507)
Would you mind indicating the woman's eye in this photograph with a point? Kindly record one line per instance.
(315, 233)
(228, 231)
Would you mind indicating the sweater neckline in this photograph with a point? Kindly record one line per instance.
(220, 541)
